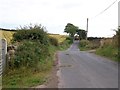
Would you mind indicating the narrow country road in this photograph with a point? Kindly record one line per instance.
(81, 69)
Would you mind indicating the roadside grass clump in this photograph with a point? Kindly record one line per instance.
(23, 78)
(84, 45)
(53, 41)
(69, 39)
(65, 45)
(108, 51)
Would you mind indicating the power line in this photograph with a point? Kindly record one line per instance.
(100, 14)
(106, 9)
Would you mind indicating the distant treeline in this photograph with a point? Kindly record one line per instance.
(95, 38)
(7, 29)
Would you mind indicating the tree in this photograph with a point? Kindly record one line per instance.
(71, 29)
(81, 33)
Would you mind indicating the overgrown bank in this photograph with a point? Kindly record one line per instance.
(32, 59)
(111, 49)
(107, 47)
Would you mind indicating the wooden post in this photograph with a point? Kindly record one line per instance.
(87, 29)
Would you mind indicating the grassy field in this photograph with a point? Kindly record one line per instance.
(60, 38)
(8, 35)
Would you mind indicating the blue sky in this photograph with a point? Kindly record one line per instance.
(55, 14)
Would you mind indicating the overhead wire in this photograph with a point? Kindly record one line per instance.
(104, 9)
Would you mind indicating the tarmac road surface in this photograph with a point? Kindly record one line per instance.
(81, 69)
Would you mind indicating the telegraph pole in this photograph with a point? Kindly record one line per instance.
(87, 29)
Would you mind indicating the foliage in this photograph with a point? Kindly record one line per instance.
(94, 38)
(71, 29)
(36, 33)
(117, 40)
(82, 33)
(65, 45)
(112, 49)
(70, 40)
(53, 41)
(84, 43)
(108, 51)
(33, 47)
(23, 78)
(34, 57)
(35, 75)
(118, 35)
(118, 31)
(30, 53)
(88, 45)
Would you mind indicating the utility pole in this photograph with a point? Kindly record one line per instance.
(87, 29)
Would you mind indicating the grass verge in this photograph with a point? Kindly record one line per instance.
(25, 77)
(108, 51)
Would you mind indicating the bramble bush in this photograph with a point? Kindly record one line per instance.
(35, 33)
(30, 53)
(33, 47)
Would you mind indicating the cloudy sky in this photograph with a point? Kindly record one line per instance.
(55, 14)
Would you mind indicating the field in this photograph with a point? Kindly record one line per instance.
(60, 38)
(8, 35)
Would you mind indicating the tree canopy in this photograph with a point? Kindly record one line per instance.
(81, 33)
(71, 29)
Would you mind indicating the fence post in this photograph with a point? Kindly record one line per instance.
(4, 53)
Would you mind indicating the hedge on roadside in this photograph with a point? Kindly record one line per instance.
(36, 34)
